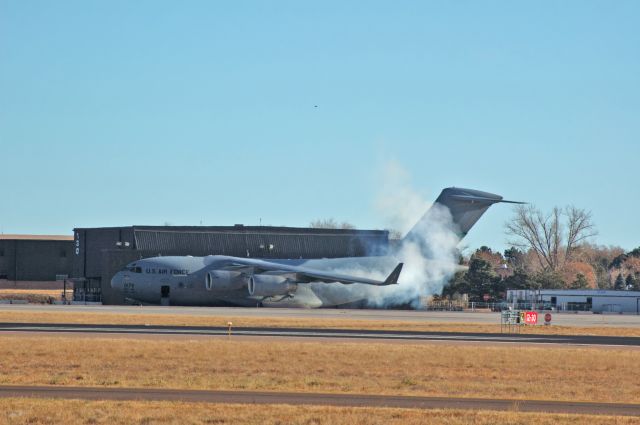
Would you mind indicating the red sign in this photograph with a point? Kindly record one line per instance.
(547, 317)
(530, 317)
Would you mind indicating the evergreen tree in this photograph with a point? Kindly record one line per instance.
(480, 278)
(512, 253)
(620, 259)
(457, 285)
(630, 282)
(619, 283)
(548, 280)
(520, 280)
(580, 282)
(515, 258)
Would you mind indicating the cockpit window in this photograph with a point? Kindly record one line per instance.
(133, 269)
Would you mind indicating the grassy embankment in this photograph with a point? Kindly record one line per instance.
(36, 296)
(72, 412)
(297, 322)
(511, 372)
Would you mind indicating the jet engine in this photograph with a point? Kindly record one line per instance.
(264, 285)
(222, 280)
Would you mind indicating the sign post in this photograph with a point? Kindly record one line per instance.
(509, 319)
(63, 277)
(530, 317)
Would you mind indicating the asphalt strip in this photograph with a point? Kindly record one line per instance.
(343, 400)
(353, 334)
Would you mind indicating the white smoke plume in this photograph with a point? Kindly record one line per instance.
(428, 250)
(398, 204)
(429, 256)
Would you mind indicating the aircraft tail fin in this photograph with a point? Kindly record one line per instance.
(465, 205)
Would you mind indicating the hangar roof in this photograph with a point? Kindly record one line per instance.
(242, 228)
(36, 237)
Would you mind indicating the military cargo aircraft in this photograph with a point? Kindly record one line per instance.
(311, 283)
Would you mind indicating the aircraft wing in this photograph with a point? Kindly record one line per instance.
(304, 274)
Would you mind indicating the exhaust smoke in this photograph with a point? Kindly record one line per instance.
(428, 249)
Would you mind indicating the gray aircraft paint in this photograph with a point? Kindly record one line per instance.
(309, 283)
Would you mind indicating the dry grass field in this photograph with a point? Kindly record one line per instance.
(74, 412)
(33, 295)
(577, 374)
(512, 372)
(244, 321)
(50, 292)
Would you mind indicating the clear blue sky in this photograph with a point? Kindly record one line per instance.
(145, 112)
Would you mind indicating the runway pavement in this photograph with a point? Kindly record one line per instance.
(563, 319)
(352, 400)
(343, 334)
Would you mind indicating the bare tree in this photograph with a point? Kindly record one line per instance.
(553, 237)
(330, 223)
(579, 229)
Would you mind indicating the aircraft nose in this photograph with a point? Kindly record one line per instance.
(117, 281)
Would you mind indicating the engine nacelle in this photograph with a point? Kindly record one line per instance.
(222, 280)
(264, 285)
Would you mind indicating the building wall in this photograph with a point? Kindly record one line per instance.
(622, 303)
(35, 260)
(89, 244)
(599, 301)
(630, 304)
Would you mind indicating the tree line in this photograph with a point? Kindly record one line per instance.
(548, 251)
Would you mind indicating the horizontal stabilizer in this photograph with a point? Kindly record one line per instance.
(471, 198)
(513, 202)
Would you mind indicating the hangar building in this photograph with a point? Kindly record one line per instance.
(34, 260)
(594, 300)
(98, 253)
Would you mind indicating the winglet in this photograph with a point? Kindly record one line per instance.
(393, 277)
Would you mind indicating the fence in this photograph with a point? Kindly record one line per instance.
(444, 305)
